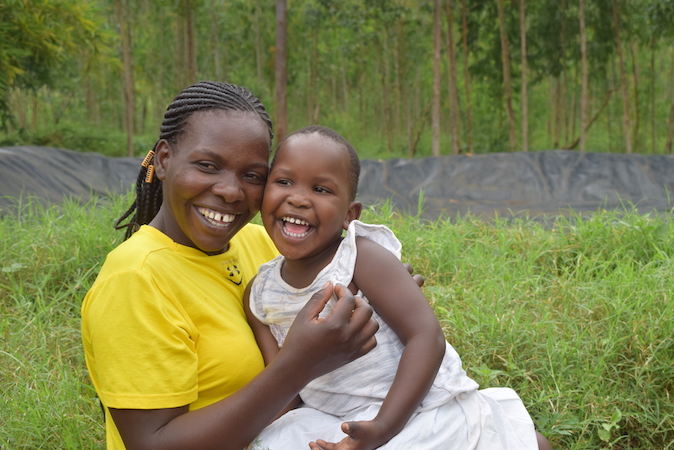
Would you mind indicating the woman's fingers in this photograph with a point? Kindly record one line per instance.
(418, 279)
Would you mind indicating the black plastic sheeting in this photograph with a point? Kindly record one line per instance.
(533, 184)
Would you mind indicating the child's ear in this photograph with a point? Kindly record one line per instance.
(352, 213)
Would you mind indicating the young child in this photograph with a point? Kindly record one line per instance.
(410, 392)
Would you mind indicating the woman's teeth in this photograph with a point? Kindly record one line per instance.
(215, 218)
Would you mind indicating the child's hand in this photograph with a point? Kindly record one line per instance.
(365, 435)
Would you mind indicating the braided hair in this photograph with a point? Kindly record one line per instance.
(201, 96)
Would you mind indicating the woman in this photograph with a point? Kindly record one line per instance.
(166, 341)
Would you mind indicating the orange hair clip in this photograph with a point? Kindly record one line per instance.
(148, 159)
(149, 174)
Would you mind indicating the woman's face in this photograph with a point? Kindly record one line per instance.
(213, 178)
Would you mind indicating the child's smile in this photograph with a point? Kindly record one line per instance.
(297, 228)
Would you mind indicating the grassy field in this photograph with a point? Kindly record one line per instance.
(575, 315)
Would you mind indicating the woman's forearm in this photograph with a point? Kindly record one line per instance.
(229, 423)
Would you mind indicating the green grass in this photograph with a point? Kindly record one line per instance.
(576, 316)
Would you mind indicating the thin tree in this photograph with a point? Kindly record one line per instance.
(670, 128)
(127, 59)
(385, 90)
(258, 40)
(281, 70)
(623, 79)
(583, 58)
(191, 43)
(635, 90)
(453, 95)
(216, 42)
(507, 84)
(652, 71)
(561, 113)
(435, 115)
(466, 76)
(523, 39)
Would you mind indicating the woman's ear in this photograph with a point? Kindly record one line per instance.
(352, 213)
(161, 155)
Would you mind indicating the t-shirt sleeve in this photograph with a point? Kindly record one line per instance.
(145, 354)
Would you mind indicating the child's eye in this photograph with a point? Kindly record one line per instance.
(283, 182)
(321, 190)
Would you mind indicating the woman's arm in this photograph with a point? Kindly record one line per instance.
(397, 298)
(266, 342)
(312, 348)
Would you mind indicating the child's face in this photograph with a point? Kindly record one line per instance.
(213, 178)
(306, 201)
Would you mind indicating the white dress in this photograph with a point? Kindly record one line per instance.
(454, 414)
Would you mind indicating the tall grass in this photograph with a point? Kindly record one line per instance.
(574, 315)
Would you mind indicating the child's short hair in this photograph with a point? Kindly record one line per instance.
(354, 167)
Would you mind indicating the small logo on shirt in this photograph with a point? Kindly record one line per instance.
(232, 272)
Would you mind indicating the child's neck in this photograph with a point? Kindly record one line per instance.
(300, 273)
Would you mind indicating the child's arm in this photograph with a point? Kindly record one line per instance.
(265, 341)
(399, 301)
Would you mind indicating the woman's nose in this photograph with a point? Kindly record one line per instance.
(229, 188)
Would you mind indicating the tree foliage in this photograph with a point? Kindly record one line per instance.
(364, 67)
(38, 37)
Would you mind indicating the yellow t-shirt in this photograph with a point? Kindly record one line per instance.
(163, 325)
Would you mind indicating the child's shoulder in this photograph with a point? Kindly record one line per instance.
(366, 235)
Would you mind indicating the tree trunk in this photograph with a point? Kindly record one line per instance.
(523, 38)
(466, 75)
(452, 85)
(216, 42)
(670, 128)
(652, 95)
(34, 110)
(637, 118)
(281, 71)
(258, 41)
(191, 44)
(129, 119)
(507, 83)
(453, 95)
(398, 66)
(623, 80)
(386, 97)
(574, 100)
(312, 94)
(583, 95)
(557, 112)
(563, 90)
(435, 115)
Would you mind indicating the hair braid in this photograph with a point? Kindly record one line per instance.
(197, 97)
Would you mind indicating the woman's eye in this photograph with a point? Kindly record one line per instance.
(206, 165)
(256, 178)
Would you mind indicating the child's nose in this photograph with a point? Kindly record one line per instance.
(299, 199)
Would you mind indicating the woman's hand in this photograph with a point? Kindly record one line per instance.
(319, 346)
(418, 279)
